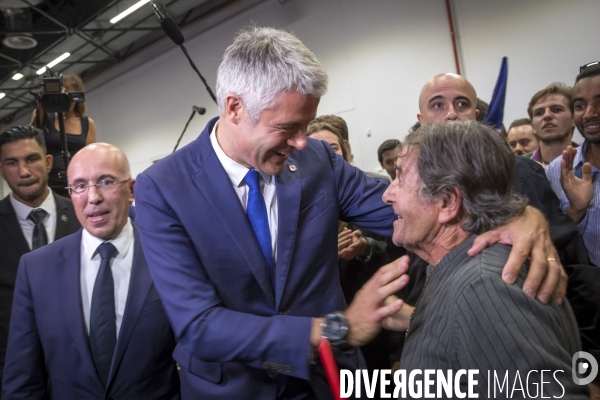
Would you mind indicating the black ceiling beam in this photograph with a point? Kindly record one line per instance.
(103, 30)
(15, 61)
(99, 47)
(32, 32)
(50, 17)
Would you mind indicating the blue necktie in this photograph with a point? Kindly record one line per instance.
(257, 214)
(103, 319)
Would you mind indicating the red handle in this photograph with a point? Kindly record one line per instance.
(331, 369)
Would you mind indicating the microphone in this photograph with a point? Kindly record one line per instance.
(199, 110)
(167, 24)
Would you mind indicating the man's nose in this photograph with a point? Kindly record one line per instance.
(298, 141)
(452, 115)
(94, 195)
(388, 195)
(24, 170)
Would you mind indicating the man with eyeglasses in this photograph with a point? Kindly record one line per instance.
(31, 215)
(87, 321)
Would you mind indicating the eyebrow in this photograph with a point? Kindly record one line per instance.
(287, 125)
(26, 156)
(438, 97)
(104, 176)
(596, 96)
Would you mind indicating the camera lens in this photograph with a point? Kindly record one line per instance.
(56, 101)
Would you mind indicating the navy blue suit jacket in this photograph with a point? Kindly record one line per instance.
(235, 331)
(48, 353)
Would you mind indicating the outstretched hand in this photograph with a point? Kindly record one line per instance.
(529, 236)
(370, 305)
(579, 191)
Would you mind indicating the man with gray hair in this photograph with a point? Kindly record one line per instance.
(237, 230)
(455, 182)
(240, 231)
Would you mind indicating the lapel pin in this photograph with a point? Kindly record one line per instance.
(292, 167)
(64, 218)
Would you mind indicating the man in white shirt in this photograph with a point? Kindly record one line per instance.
(24, 165)
(85, 311)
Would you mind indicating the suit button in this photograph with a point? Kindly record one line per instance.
(272, 374)
(283, 312)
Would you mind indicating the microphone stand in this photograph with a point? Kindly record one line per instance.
(185, 128)
(199, 74)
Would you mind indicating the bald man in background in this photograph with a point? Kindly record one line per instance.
(449, 97)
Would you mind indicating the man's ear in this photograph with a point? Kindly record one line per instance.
(131, 184)
(49, 161)
(234, 108)
(420, 118)
(450, 206)
(476, 113)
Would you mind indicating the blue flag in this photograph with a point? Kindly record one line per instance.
(495, 111)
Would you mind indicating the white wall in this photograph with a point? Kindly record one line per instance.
(378, 54)
(545, 40)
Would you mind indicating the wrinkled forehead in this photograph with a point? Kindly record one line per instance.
(406, 159)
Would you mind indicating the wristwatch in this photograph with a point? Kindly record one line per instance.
(335, 329)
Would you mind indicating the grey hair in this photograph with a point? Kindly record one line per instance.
(475, 160)
(264, 62)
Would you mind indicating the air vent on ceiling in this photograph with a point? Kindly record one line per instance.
(19, 21)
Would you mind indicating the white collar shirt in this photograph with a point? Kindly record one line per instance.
(236, 173)
(121, 267)
(22, 211)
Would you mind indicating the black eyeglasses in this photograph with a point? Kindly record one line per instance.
(583, 67)
(103, 185)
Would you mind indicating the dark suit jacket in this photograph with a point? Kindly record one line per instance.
(12, 246)
(48, 350)
(235, 332)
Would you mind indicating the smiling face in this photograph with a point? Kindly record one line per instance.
(417, 223)
(280, 130)
(552, 119)
(447, 97)
(103, 213)
(586, 101)
(25, 168)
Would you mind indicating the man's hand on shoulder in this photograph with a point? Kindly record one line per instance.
(529, 236)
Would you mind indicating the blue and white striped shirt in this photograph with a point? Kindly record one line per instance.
(589, 227)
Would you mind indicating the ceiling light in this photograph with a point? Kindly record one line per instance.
(53, 63)
(128, 11)
(59, 59)
(2, 95)
(17, 76)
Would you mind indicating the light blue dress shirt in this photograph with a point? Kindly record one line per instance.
(589, 227)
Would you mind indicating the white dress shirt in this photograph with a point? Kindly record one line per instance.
(121, 270)
(27, 225)
(236, 173)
